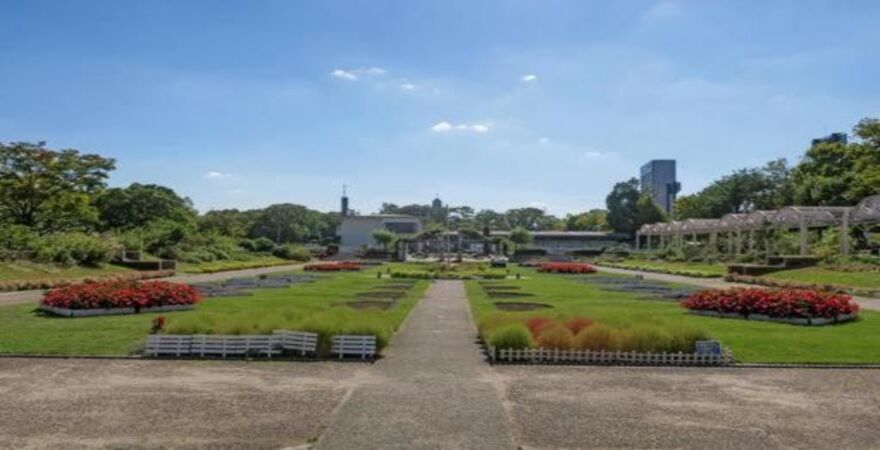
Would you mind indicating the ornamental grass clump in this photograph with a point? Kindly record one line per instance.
(556, 336)
(596, 337)
(514, 336)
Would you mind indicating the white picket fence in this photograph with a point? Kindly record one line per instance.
(218, 345)
(363, 346)
(551, 356)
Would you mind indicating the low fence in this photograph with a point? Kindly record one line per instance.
(556, 356)
(263, 345)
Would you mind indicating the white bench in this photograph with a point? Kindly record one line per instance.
(168, 344)
(363, 346)
(234, 345)
(298, 341)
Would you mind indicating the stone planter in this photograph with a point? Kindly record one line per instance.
(813, 321)
(111, 311)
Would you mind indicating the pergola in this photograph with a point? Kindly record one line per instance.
(802, 218)
(805, 217)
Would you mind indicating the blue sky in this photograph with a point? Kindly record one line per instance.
(490, 104)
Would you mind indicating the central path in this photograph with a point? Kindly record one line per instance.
(431, 390)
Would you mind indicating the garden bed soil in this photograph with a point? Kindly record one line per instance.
(521, 306)
(814, 321)
(370, 304)
(111, 311)
(381, 294)
(509, 294)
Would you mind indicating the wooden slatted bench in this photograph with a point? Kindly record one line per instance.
(243, 345)
(298, 341)
(363, 346)
(168, 345)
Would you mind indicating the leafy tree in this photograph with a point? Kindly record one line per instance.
(492, 219)
(49, 189)
(622, 204)
(228, 222)
(139, 205)
(744, 190)
(383, 237)
(592, 220)
(648, 212)
(533, 219)
(521, 236)
(287, 222)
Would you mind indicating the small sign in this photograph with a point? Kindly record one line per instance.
(708, 347)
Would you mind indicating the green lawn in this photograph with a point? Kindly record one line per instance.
(820, 275)
(714, 269)
(309, 306)
(221, 266)
(751, 341)
(33, 271)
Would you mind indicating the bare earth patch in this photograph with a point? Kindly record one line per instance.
(521, 306)
(369, 304)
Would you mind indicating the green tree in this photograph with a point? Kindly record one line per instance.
(383, 237)
(492, 219)
(622, 205)
(228, 222)
(648, 212)
(744, 190)
(138, 205)
(521, 236)
(49, 189)
(287, 222)
(592, 220)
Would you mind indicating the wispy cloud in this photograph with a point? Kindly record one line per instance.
(408, 86)
(355, 74)
(445, 127)
(544, 140)
(663, 10)
(530, 78)
(214, 175)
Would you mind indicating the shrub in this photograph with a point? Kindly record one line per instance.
(576, 324)
(292, 252)
(74, 248)
(556, 336)
(786, 303)
(596, 337)
(536, 324)
(263, 244)
(121, 294)
(515, 336)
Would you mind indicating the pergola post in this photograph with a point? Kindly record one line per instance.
(844, 235)
(648, 242)
(751, 240)
(713, 242)
(729, 243)
(638, 238)
(739, 242)
(662, 241)
(803, 237)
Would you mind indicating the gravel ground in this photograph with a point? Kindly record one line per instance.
(56, 403)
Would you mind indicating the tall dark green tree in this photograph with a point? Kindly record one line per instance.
(138, 205)
(623, 205)
(48, 189)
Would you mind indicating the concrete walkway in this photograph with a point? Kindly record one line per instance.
(716, 283)
(431, 390)
(19, 297)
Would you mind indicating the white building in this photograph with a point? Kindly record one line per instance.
(356, 232)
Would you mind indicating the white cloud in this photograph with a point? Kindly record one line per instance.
(355, 74)
(214, 175)
(539, 205)
(594, 154)
(344, 74)
(544, 140)
(529, 78)
(664, 9)
(443, 127)
(408, 86)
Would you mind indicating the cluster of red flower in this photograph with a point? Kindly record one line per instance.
(787, 303)
(566, 268)
(333, 266)
(121, 294)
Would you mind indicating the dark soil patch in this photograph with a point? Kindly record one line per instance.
(369, 304)
(381, 294)
(501, 288)
(517, 306)
(502, 294)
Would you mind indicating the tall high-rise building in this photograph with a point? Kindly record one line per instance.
(658, 181)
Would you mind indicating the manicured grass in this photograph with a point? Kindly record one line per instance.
(821, 275)
(751, 341)
(31, 271)
(309, 306)
(222, 266)
(714, 269)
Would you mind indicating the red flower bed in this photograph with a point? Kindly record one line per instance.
(788, 303)
(121, 294)
(566, 268)
(333, 266)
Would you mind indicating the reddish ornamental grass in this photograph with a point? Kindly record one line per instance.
(566, 268)
(333, 266)
(121, 294)
(786, 303)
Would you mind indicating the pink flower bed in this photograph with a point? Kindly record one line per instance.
(566, 268)
(788, 303)
(121, 294)
(333, 266)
